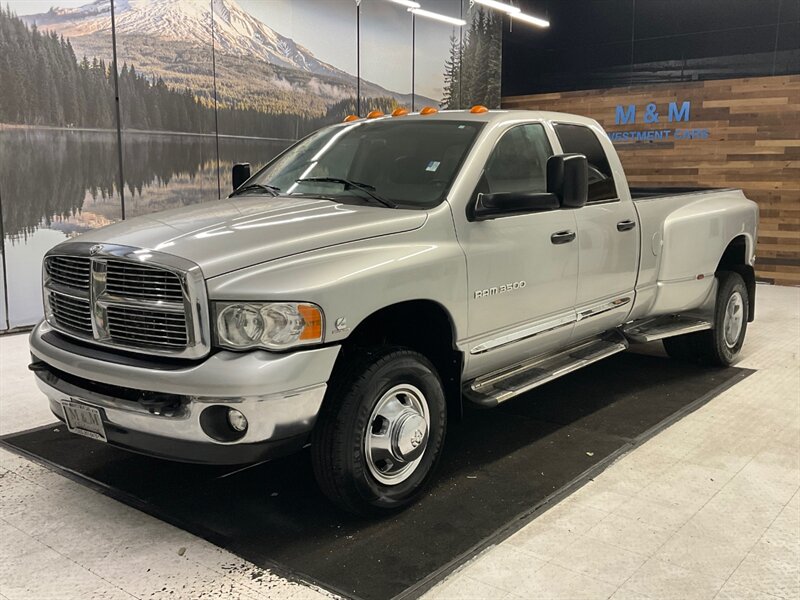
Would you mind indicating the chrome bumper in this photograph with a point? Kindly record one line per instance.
(280, 394)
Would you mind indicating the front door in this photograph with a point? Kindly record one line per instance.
(522, 269)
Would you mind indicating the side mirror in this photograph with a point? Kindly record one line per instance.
(505, 204)
(568, 179)
(240, 174)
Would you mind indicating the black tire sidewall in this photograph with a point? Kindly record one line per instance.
(401, 367)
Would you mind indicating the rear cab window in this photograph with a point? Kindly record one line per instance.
(578, 139)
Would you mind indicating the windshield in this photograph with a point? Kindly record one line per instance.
(407, 164)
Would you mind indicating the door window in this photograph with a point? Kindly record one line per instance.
(518, 162)
(578, 139)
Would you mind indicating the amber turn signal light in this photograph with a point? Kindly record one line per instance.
(429, 110)
(478, 109)
(312, 317)
(399, 112)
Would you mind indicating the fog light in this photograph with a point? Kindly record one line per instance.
(237, 420)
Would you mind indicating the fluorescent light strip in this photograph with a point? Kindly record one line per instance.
(532, 20)
(432, 15)
(498, 6)
(408, 3)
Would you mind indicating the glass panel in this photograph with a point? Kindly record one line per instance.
(518, 162)
(166, 90)
(481, 54)
(293, 81)
(386, 56)
(407, 163)
(58, 149)
(582, 140)
(433, 45)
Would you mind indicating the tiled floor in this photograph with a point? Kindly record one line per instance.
(709, 508)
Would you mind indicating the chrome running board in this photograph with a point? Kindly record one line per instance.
(494, 388)
(663, 327)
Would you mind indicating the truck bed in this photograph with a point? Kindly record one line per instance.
(646, 193)
(684, 231)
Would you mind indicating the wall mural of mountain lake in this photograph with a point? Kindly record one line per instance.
(202, 84)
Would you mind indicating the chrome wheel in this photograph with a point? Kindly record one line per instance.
(397, 434)
(733, 319)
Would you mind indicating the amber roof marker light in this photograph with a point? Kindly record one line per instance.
(399, 112)
(478, 109)
(429, 110)
(374, 114)
(351, 118)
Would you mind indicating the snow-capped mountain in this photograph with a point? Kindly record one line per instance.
(236, 32)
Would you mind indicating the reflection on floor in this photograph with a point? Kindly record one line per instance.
(708, 508)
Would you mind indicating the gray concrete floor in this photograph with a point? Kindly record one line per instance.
(709, 508)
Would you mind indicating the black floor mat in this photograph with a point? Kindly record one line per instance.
(499, 469)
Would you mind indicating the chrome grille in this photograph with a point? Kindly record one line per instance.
(135, 280)
(147, 327)
(72, 313)
(70, 271)
(128, 298)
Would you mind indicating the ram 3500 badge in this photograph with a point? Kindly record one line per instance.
(356, 290)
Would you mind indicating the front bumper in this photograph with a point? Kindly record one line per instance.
(280, 394)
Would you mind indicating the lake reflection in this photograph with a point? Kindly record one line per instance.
(56, 184)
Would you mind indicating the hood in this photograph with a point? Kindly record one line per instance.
(230, 234)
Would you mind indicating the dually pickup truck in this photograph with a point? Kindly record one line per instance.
(352, 294)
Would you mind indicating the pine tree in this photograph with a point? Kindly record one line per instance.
(452, 75)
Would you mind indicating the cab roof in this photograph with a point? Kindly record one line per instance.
(497, 116)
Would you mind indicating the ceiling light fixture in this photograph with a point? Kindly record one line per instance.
(407, 3)
(529, 19)
(499, 6)
(432, 15)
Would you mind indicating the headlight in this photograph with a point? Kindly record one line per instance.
(273, 325)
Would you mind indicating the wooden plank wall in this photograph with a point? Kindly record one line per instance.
(754, 144)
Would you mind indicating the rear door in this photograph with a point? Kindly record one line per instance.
(608, 236)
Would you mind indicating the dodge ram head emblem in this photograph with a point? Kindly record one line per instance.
(96, 249)
(416, 438)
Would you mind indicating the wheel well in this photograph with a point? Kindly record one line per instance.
(420, 325)
(735, 259)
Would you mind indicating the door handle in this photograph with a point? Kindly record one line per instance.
(562, 237)
(626, 225)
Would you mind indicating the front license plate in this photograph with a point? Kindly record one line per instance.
(84, 420)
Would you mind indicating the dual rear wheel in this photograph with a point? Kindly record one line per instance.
(721, 344)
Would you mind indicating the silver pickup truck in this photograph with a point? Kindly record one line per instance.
(356, 291)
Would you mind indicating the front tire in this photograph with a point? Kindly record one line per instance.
(381, 431)
(720, 345)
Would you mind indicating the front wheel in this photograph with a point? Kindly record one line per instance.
(381, 431)
(721, 344)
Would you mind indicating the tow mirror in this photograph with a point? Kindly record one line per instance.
(240, 174)
(568, 179)
(505, 204)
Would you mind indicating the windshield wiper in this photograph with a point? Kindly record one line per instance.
(368, 189)
(270, 189)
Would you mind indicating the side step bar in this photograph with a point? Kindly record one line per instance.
(663, 327)
(492, 389)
